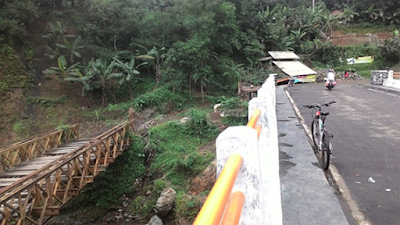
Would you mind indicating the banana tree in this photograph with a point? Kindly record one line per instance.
(371, 13)
(235, 71)
(349, 14)
(85, 78)
(286, 44)
(56, 31)
(73, 47)
(103, 75)
(53, 52)
(130, 71)
(395, 17)
(297, 36)
(202, 76)
(62, 70)
(328, 22)
(156, 58)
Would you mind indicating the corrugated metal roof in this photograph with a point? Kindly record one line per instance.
(283, 55)
(265, 59)
(294, 68)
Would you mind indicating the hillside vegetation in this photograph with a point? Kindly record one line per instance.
(90, 61)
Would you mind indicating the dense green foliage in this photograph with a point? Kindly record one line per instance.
(162, 98)
(191, 46)
(12, 72)
(117, 179)
(47, 101)
(13, 79)
(176, 147)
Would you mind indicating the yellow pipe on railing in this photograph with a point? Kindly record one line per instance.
(233, 209)
(214, 206)
(258, 129)
(253, 119)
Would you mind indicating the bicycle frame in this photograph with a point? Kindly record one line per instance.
(321, 126)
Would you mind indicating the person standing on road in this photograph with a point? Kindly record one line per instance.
(346, 75)
(291, 81)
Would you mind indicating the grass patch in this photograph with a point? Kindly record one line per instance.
(365, 28)
(55, 117)
(176, 146)
(47, 101)
(186, 205)
(94, 115)
(23, 127)
(162, 99)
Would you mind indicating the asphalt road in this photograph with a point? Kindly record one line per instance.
(366, 128)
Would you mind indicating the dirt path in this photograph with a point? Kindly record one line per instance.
(341, 39)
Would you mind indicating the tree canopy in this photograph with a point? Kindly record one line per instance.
(184, 44)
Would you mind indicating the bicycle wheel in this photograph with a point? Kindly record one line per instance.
(325, 151)
(314, 132)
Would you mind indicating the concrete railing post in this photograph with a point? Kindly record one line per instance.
(258, 177)
(243, 141)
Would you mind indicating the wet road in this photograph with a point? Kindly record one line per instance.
(366, 128)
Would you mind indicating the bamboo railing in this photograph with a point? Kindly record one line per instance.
(36, 197)
(26, 150)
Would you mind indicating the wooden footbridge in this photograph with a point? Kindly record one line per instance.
(38, 176)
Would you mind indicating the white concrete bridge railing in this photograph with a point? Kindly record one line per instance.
(258, 178)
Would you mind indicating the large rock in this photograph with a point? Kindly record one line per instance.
(165, 202)
(155, 220)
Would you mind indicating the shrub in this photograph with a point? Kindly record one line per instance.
(162, 99)
(47, 101)
(186, 206)
(199, 125)
(235, 111)
(234, 121)
(116, 180)
(234, 103)
(390, 50)
(177, 158)
(15, 17)
(19, 128)
(23, 127)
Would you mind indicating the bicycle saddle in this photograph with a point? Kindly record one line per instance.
(324, 113)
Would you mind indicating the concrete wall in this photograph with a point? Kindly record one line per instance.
(258, 178)
(385, 78)
(390, 82)
(379, 77)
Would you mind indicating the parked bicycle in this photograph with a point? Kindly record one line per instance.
(320, 135)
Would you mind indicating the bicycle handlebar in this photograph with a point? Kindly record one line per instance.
(314, 105)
